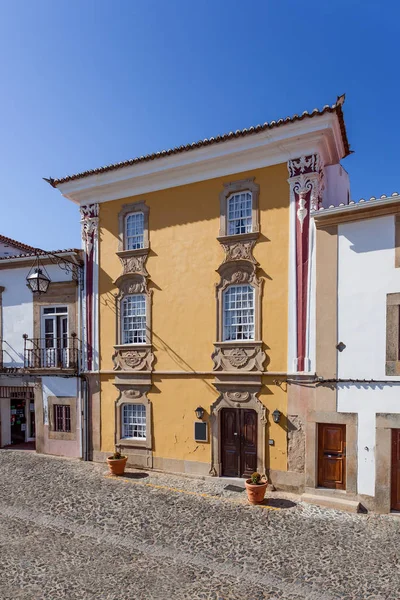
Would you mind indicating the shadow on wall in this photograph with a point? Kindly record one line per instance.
(368, 236)
(11, 357)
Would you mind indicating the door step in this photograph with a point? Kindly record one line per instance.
(332, 502)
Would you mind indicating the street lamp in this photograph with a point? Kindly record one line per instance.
(199, 412)
(38, 279)
(276, 415)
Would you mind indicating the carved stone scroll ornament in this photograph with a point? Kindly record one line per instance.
(132, 284)
(238, 272)
(89, 225)
(134, 264)
(133, 359)
(239, 250)
(228, 357)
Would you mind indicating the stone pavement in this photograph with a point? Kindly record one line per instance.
(69, 531)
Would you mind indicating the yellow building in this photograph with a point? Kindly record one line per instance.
(194, 296)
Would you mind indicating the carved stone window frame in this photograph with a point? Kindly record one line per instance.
(392, 364)
(126, 210)
(133, 395)
(64, 401)
(237, 397)
(239, 272)
(132, 285)
(234, 187)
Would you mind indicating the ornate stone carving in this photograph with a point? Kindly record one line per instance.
(235, 357)
(134, 264)
(239, 250)
(237, 396)
(90, 225)
(238, 272)
(306, 186)
(127, 358)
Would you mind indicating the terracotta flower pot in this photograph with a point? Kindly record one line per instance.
(117, 465)
(255, 492)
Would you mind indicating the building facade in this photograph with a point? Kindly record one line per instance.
(199, 296)
(352, 416)
(40, 391)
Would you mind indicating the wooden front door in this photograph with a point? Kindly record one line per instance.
(395, 495)
(332, 456)
(238, 442)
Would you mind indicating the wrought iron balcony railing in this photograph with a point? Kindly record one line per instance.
(54, 353)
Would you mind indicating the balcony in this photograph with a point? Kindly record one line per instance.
(55, 354)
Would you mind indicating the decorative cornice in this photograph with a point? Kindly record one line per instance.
(301, 123)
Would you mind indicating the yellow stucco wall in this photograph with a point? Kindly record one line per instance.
(184, 255)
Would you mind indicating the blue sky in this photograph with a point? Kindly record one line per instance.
(90, 82)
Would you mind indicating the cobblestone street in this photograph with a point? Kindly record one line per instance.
(67, 530)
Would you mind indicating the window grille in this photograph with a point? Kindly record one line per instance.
(62, 418)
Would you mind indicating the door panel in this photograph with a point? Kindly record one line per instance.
(332, 456)
(248, 452)
(229, 442)
(395, 486)
(238, 442)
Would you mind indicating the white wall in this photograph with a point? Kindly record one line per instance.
(337, 186)
(366, 274)
(58, 386)
(17, 310)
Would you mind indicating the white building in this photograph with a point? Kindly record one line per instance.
(40, 391)
(358, 355)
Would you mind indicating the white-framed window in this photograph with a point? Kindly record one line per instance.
(133, 421)
(239, 213)
(238, 311)
(134, 231)
(133, 319)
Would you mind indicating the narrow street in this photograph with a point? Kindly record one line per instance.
(67, 530)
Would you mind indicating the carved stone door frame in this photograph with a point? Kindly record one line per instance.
(235, 398)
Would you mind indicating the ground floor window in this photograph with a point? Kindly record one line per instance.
(134, 421)
(62, 418)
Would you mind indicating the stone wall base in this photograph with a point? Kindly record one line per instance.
(287, 481)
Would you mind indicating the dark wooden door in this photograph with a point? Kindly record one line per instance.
(332, 456)
(238, 442)
(395, 499)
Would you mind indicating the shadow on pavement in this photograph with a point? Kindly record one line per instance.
(279, 503)
(135, 475)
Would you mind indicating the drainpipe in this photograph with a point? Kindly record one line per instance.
(85, 419)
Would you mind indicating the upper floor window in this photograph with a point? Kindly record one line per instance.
(133, 421)
(133, 319)
(134, 231)
(238, 313)
(240, 213)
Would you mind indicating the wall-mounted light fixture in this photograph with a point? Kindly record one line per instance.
(276, 415)
(199, 412)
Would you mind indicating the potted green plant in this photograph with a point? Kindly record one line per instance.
(256, 487)
(116, 463)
